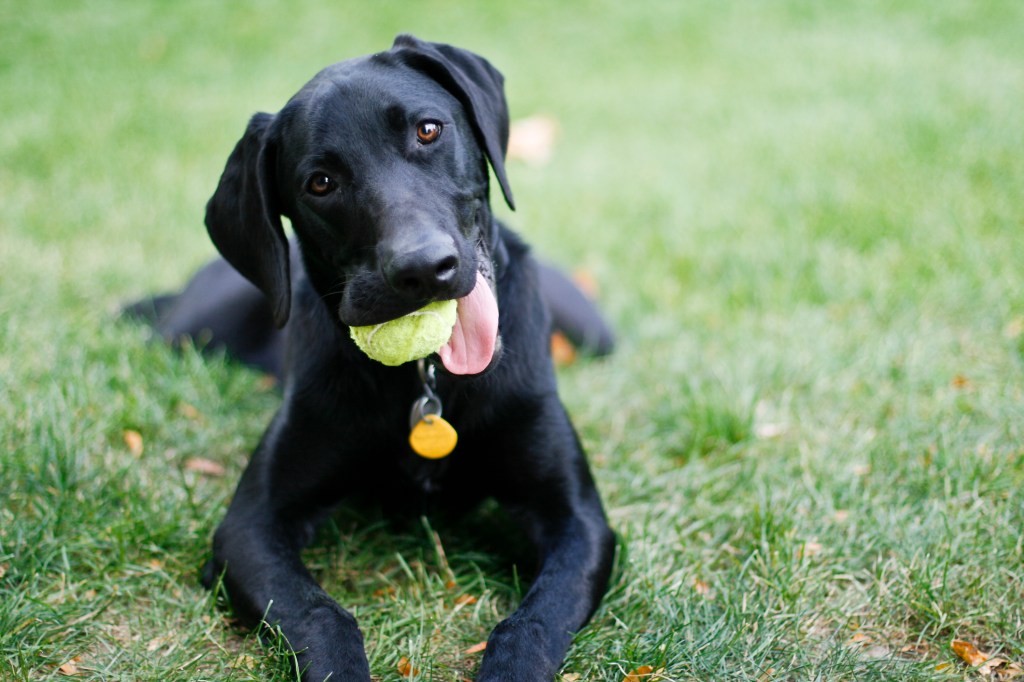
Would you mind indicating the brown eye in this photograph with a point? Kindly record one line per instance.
(427, 132)
(321, 184)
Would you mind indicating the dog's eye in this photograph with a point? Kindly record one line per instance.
(320, 184)
(427, 132)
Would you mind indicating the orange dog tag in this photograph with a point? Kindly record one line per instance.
(432, 437)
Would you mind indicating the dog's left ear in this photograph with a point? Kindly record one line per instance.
(477, 85)
(244, 220)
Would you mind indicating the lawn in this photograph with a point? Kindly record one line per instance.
(806, 221)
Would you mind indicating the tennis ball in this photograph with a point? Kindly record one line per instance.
(409, 337)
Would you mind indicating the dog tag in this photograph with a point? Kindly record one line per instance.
(432, 437)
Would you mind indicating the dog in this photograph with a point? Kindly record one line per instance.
(381, 164)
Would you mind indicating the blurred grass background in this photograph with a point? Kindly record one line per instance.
(806, 222)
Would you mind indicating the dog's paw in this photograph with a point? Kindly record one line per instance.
(519, 650)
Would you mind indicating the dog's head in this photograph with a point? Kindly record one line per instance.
(380, 163)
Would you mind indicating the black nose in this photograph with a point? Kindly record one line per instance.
(426, 272)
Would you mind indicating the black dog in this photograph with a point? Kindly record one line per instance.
(381, 165)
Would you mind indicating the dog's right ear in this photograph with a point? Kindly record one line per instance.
(243, 217)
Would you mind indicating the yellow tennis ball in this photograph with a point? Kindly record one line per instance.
(409, 337)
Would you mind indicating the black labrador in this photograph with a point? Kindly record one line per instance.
(381, 165)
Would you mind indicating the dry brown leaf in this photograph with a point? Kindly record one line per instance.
(244, 662)
(809, 549)
(1014, 329)
(405, 668)
(701, 587)
(997, 668)
(71, 667)
(1011, 672)
(766, 675)
(476, 648)
(640, 674)
(563, 353)
(587, 283)
(769, 430)
(204, 466)
(961, 382)
(133, 439)
(465, 600)
(968, 653)
(859, 639)
(532, 139)
(988, 668)
(158, 643)
(189, 412)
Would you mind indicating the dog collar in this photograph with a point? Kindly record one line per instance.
(430, 436)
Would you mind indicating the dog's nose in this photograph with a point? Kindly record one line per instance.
(424, 272)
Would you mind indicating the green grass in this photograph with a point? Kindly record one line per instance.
(807, 220)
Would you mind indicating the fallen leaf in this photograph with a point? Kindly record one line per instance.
(133, 439)
(586, 282)
(405, 668)
(571, 677)
(465, 600)
(988, 668)
(244, 662)
(476, 648)
(205, 466)
(809, 549)
(859, 639)
(766, 675)
(769, 430)
(1011, 672)
(968, 653)
(960, 381)
(563, 353)
(639, 674)
(701, 587)
(189, 412)
(71, 667)
(158, 643)
(532, 139)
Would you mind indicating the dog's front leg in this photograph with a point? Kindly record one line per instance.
(257, 550)
(553, 494)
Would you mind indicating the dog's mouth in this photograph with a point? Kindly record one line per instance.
(474, 338)
(474, 342)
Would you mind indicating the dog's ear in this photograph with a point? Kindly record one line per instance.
(244, 219)
(477, 85)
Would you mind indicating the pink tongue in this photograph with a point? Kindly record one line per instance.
(475, 335)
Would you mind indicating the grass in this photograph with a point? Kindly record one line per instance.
(806, 220)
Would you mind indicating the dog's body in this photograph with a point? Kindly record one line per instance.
(380, 163)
